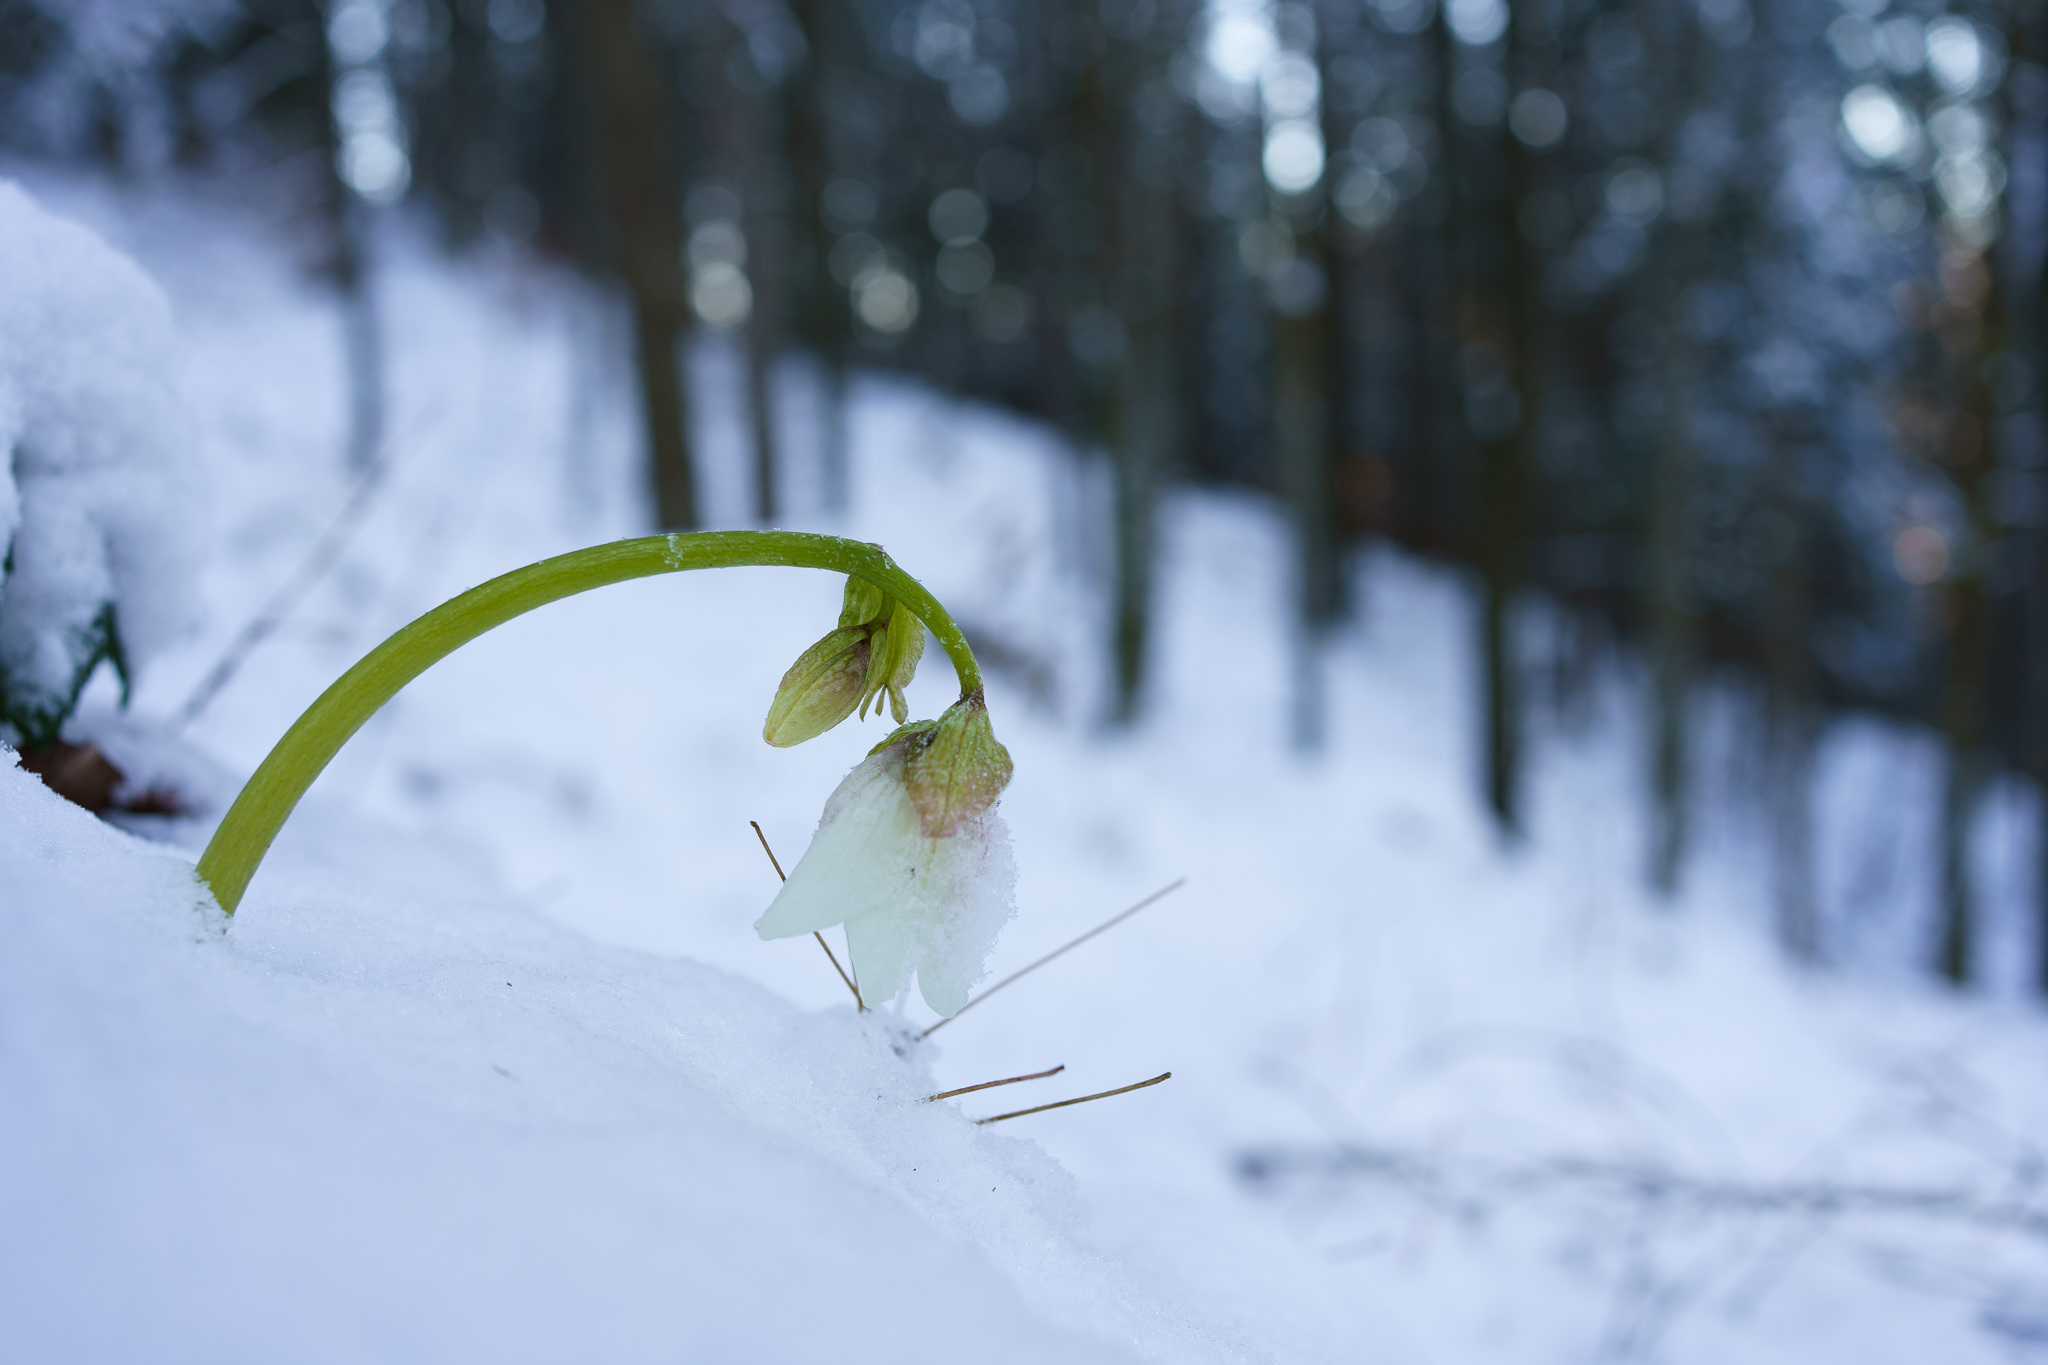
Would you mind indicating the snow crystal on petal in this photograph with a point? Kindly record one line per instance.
(979, 900)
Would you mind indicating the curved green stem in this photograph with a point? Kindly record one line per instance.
(260, 811)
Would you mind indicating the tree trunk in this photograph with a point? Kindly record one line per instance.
(1788, 719)
(1501, 492)
(1503, 313)
(1311, 373)
(1301, 430)
(761, 199)
(1674, 623)
(638, 189)
(820, 309)
(2033, 336)
(751, 134)
(1133, 192)
(1968, 452)
(348, 266)
(1969, 640)
(1673, 606)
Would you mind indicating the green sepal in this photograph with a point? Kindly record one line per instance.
(959, 770)
(863, 603)
(893, 663)
(901, 732)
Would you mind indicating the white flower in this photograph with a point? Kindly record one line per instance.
(910, 901)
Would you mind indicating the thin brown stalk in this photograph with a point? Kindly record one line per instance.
(1061, 1104)
(776, 863)
(1110, 923)
(773, 861)
(990, 1085)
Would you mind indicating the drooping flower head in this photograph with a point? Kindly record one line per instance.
(910, 854)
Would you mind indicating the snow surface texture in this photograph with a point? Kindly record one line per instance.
(391, 1120)
(294, 1135)
(907, 901)
(98, 486)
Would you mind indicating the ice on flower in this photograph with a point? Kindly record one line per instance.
(910, 901)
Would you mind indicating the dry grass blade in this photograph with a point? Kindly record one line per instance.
(990, 1085)
(773, 861)
(1061, 1104)
(776, 863)
(1107, 924)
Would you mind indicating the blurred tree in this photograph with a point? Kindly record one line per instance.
(639, 188)
(359, 145)
(2024, 443)
(1975, 334)
(1308, 354)
(1681, 252)
(1500, 359)
(822, 321)
(758, 53)
(1147, 217)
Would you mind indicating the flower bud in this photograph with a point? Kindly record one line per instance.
(957, 770)
(874, 652)
(892, 663)
(822, 688)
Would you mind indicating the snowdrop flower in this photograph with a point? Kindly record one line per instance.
(912, 857)
(873, 651)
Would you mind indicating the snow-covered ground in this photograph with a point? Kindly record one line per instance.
(492, 1065)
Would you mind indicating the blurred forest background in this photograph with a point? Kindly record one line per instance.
(1721, 325)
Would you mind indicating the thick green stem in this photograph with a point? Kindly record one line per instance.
(260, 811)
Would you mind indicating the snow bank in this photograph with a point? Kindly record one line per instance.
(386, 1117)
(98, 482)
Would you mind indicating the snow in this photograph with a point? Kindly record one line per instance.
(333, 1130)
(401, 1120)
(98, 498)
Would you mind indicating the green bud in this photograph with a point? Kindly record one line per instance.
(863, 604)
(893, 662)
(874, 653)
(822, 688)
(956, 771)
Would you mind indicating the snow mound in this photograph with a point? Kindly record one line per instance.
(383, 1115)
(98, 478)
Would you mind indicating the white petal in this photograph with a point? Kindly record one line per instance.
(908, 902)
(974, 882)
(863, 858)
(880, 946)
